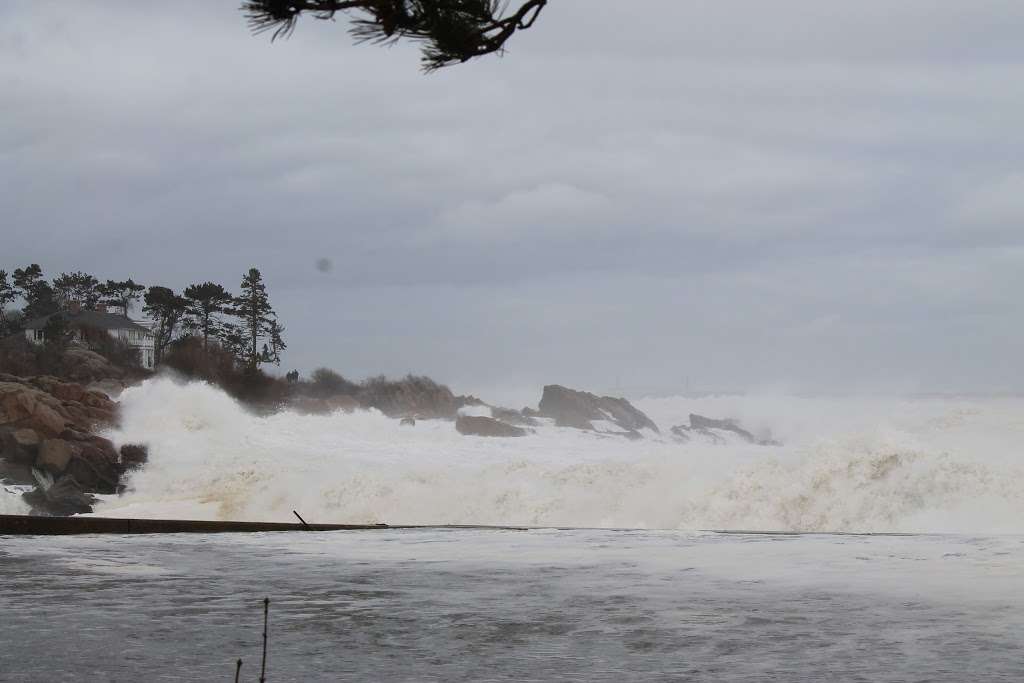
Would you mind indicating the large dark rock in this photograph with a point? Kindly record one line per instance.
(514, 417)
(55, 455)
(134, 455)
(472, 425)
(49, 406)
(63, 497)
(701, 422)
(684, 434)
(571, 408)
(22, 405)
(712, 429)
(97, 466)
(19, 446)
(15, 473)
(83, 365)
(47, 424)
(468, 401)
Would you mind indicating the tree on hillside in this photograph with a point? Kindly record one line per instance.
(7, 297)
(451, 31)
(166, 309)
(205, 302)
(78, 286)
(121, 294)
(233, 338)
(257, 320)
(273, 348)
(36, 292)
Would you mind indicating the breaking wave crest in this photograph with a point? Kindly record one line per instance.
(851, 464)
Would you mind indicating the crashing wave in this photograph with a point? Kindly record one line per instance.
(847, 465)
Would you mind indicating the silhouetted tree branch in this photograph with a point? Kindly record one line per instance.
(452, 31)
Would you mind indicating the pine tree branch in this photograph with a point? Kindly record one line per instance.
(452, 31)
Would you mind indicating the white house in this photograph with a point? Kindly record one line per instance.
(116, 325)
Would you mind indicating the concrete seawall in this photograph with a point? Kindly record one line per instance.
(25, 525)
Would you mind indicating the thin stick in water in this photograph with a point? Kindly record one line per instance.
(266, 614)
(238, 670)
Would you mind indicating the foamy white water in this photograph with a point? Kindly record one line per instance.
(10, 500)
(847, 464)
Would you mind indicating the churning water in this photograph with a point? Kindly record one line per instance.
(513, 606)
(845, 464)
(580, 605)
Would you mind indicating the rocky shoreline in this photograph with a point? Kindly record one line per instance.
(50, 429)
(49, 439)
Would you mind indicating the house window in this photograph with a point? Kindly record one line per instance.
(39, 335)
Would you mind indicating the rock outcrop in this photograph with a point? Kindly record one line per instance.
(82, 365)
(474, 425)
(514, 417)
(49, 406)
(47, 431)
(134, 455)
(60, 498)
(55, 455)
(711, 429)
(20, 445)
(579, 409)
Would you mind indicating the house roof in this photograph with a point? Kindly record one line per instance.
(97, 319)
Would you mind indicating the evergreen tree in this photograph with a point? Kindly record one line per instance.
(166, 309)
(36, 292)
(273, 348)
(450, 31)
(121, 294)
(256, 320)
(233, 338)
(206, 302)
(78, 286)
(7, 296)
(25, 279)
(56, 333)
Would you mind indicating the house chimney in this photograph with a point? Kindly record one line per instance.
(74, 307)
(101, 308)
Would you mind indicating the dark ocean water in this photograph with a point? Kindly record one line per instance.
(513, 606)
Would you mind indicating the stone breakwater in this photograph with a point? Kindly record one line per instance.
(49, 438)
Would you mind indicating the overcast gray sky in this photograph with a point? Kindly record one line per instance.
(748, 194)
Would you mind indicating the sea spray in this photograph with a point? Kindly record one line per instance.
(846, 464)
(11, 502)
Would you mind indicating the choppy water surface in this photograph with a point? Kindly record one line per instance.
(506, 605)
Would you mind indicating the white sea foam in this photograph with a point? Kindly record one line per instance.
(479, 411)
(851, 464)
(10, 500)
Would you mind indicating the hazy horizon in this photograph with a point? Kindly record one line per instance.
(790, 197)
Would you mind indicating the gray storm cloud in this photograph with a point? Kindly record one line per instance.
(738, 195)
